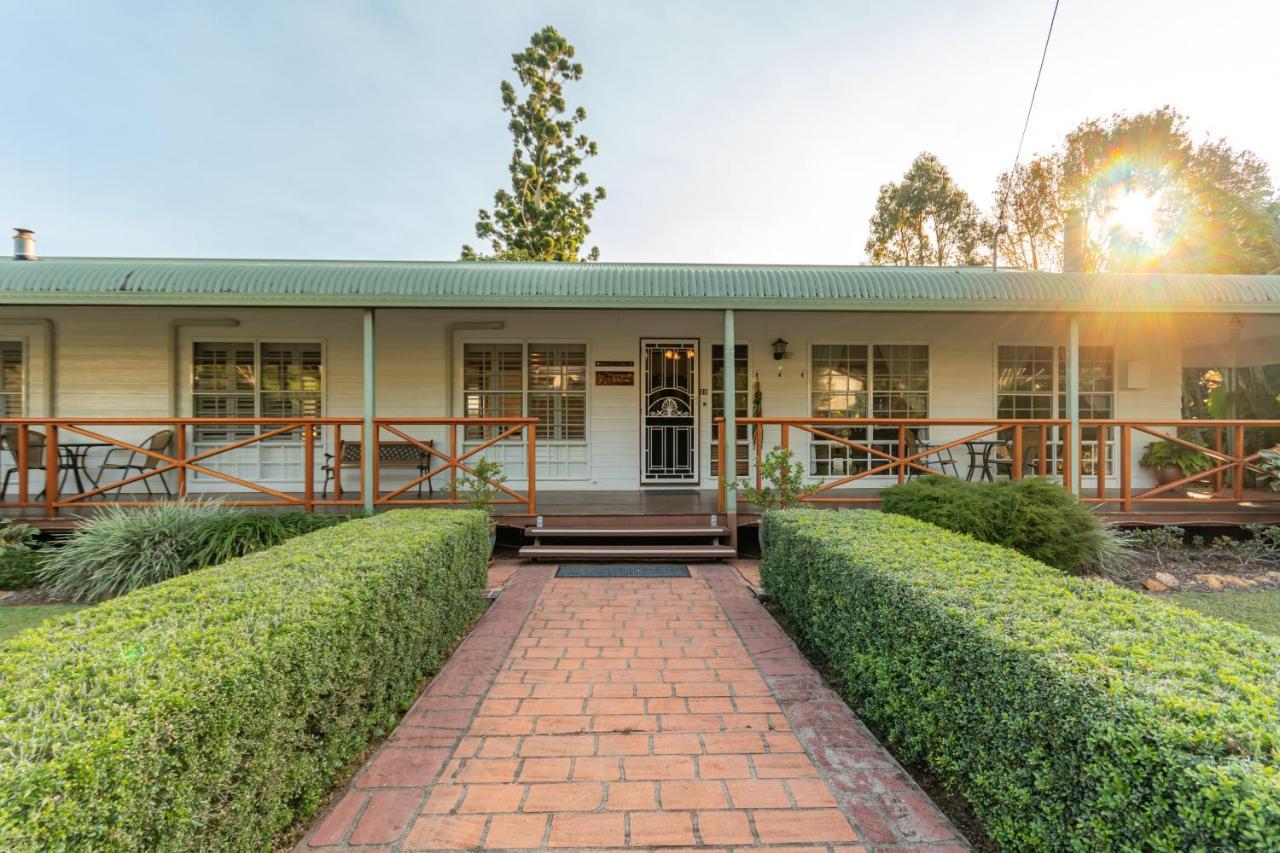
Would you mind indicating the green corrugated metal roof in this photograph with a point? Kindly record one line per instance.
(102, 281)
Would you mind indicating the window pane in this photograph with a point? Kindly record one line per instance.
(557, 380)
(11, 376)
(741, 407)
(1024, 382)
(223, 386)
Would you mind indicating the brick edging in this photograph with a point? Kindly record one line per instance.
(376, 806)
(878, 797)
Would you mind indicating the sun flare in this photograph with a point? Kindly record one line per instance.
(1135, 212)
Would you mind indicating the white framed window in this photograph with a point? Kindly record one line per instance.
(741, 407)
(13, 378)
(256, 379)
(1031, 383)
(850, 380)
(544, 380)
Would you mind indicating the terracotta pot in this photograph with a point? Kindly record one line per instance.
(1168, 474)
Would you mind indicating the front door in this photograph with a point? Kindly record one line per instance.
(669, 411)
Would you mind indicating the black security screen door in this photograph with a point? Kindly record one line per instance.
(669, 411)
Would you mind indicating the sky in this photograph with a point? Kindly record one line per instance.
(730, 131)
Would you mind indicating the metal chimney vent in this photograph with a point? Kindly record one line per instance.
(24, 244)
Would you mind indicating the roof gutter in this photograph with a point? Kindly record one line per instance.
(798, 303)
(50, 350)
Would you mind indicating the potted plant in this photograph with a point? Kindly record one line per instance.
(1172, 461)
(479, 490)
(782, 484)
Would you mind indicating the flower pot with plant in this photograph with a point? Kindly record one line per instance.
(480, 488)
(781, 484)
(1171, 461)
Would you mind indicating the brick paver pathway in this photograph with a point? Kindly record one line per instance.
(630, 714)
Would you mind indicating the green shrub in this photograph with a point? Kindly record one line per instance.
(212, 711)
(1165, 453)
(124, 549)
(1070, 713)
(1034, 516)
(19, 556)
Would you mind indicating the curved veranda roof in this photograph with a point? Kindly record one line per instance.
(457, 284)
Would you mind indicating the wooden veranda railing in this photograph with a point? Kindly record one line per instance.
(131, 461)
(901, 448)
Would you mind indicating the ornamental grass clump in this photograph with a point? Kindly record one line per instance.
(1070, 713)
(1034, 516)
(124, 549)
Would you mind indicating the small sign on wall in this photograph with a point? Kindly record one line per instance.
(615, 377)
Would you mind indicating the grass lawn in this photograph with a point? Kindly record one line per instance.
(15, 619)
(1259, 610)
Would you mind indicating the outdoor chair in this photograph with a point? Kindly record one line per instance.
(123, 460)
(35, 454)
(391, 454)
(1030, 454)
(942, 459)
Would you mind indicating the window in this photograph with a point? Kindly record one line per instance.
(558, 391)
(539, 380)
(741, 404)
(858, 381)
(255, 379)
(1031, 383)
(12, 379)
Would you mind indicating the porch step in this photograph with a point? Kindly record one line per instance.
(628, 552)
(699, 539)
(625, 532)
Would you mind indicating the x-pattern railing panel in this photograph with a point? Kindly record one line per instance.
(48, 457)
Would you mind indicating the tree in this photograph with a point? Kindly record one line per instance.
(1032, 211)
(544, 216)
(1203, 208)
(926, 219)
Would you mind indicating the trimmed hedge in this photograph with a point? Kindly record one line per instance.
(213, 711)
(1035, 516)
(1073, 715)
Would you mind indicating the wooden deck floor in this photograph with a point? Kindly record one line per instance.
(655, 507)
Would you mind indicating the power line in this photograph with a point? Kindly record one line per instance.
(1030, 106)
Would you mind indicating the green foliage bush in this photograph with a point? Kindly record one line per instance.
(1035, 516)
(124, 549)
(212, 711)
(19, 556)
(1073, 715)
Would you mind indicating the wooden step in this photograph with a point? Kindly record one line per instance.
(625, 532)
(627, 552)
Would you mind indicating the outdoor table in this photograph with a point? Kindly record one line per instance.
(980, 452)
(74, 454)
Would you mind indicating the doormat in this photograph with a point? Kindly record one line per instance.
(669, 492)
(622, 570)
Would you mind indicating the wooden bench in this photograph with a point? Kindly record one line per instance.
(391, 454)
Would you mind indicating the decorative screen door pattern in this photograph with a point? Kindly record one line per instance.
(670, 411)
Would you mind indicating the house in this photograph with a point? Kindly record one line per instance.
(258, 369)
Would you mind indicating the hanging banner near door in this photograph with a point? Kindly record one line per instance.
(615, 377)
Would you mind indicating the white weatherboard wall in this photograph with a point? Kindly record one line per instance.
(114, 362)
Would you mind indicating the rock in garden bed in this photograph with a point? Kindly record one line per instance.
(1166, 559)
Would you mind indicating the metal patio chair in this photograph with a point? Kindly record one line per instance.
(35, 454)
(942, 459)
(1030, 454)
(124, 460)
